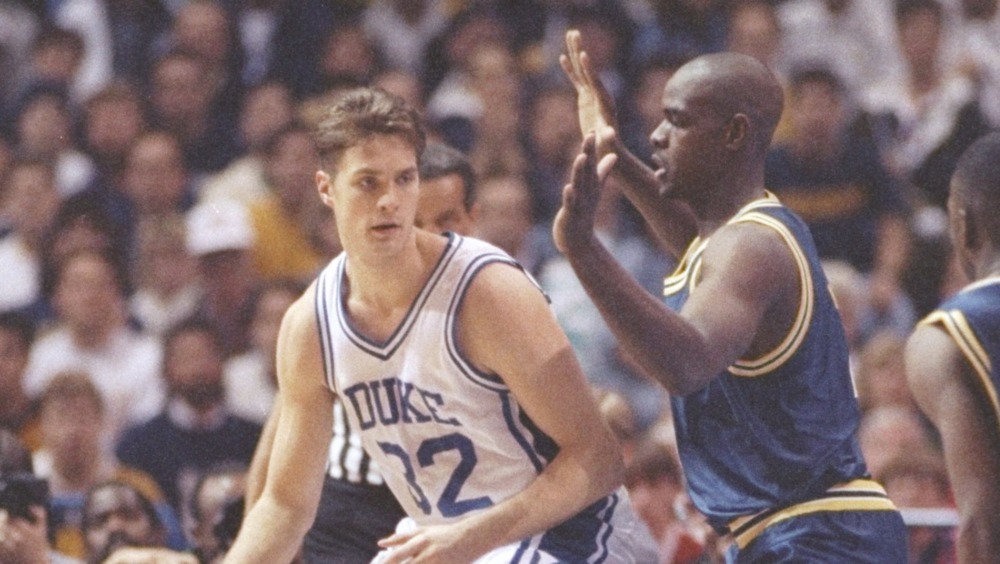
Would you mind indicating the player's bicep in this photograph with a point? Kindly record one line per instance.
(950, 394)
(746, 272)
(304, 427)
(510, 330)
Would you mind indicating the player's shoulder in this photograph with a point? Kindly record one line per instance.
(300, 317)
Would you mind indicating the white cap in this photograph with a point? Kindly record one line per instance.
(219, 225)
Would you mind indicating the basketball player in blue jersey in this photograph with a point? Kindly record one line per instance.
(953, 356)
(748, 341)
(356, 508)
(452, 368)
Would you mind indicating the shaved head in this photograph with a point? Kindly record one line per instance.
(733, 83)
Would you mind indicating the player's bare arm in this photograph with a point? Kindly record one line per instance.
(748, 273)
(257, 472)
(507, 328)
(944, 386)
(275, 526)
(671, 220)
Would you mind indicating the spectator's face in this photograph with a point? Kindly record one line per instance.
(71, 431)
(554, 130)
(112, 127)
(291, 169)
(266, 111)
(441, 206)
(181, 91)
(348, 55)
(13, 359)
(817, 117)
(113, 518)
(88, 296)
(193, 367)
(30, 200)
(753, 31)
(44, 126)
(504, 213)
(215, 492)
(202, 28)
(155, 176)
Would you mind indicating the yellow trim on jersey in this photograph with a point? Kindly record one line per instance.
(856, 495)
(676, 281)
(958, 328)
(797, 333)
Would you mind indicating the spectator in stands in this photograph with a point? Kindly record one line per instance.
(45, 131)
(18, 412)
(552, 140)
(286, 220)
(23, 537)
(216, 510)
(881, 375)
(831, 176)
(74, 458)
(121, 526)
(220, 236)
(251, 377)
(195, 430)
(92, 335)
(656, 486)
(166, 276)
(267, 109)
(29, 201)
(113, 120)
(925, 121)
(889, 431)
(183, 95)
(852, 38)
(505, 219)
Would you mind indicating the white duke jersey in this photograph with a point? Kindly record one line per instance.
(449, 439)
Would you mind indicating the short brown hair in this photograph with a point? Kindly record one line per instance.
(72, 384)
(360, 114)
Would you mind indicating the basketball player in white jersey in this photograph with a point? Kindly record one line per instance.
(452, 368)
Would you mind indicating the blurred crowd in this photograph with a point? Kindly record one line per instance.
(158, 209)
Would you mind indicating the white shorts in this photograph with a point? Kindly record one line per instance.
(624, 540)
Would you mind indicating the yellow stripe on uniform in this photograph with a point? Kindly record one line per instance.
(772, 360)
(958, 328)
(679, 278)
(857, 495)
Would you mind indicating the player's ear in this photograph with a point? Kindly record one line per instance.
(737, 131)
(323, 186)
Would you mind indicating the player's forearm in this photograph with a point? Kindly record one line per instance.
(272, 532)
(671, 220)
(660, 342)
(576, 478)
(257, 473)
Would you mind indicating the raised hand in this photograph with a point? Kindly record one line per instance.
(595, 107)
(574, 223)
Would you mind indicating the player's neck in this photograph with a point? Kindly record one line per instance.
(394, 282)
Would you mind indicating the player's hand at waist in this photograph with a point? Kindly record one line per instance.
(444, 544)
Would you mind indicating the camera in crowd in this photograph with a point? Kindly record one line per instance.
(19, 492)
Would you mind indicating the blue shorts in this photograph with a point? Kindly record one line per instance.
(870, 537)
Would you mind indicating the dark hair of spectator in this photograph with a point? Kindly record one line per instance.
(906, 8)
(20, 325)
(144, 503)
(815, 74)
(440, 160)
(15, 458)
(54, 36)
(70, 385)
(194, 324)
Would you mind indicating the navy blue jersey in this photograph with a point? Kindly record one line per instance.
(777, 430)
(972, 319)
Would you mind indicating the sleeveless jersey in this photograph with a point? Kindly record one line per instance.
(773, 431)
(448, 438)
(972, 319)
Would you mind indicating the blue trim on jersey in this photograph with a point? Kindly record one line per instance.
(323, 323)
(583, 537)
(521, 550)
(484, 379)
(384, 350)
(508, 416)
